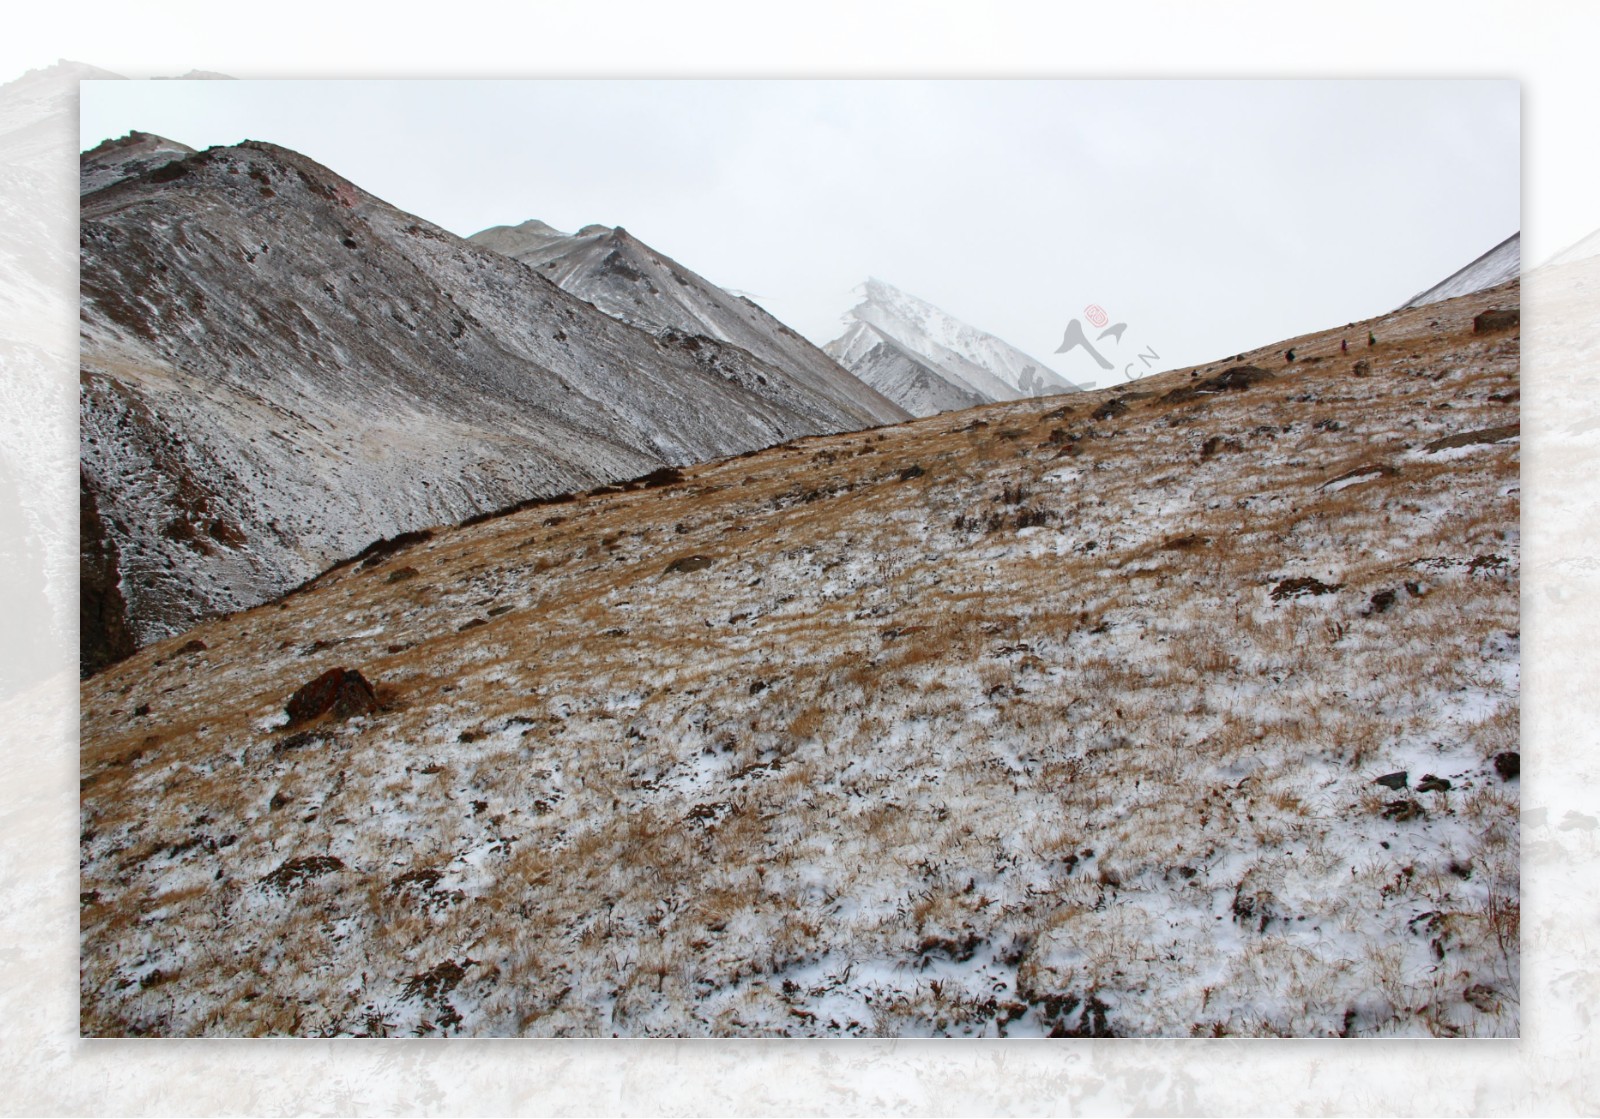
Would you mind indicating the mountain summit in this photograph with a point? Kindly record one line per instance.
(928, 361)
(125, 157)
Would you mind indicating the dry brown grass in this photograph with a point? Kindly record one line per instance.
(652, 799)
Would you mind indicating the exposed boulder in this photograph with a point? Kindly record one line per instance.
(344, 691)
(296, 872)
(1473, 438)
(379, 550)
(1236, 378)
(686, 564)
(1508, 318)
(1301, 587)
(1217, 444)
(1381, 602)
(1402, 810)
(1508, 765)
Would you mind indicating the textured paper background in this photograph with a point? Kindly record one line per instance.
(47, 1070)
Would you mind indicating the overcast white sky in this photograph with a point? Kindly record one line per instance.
(1210, 216)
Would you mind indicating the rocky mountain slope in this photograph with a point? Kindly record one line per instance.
(629, 280)
(279, 368)
(1186, 711)
(928, 361)
(1495, 267)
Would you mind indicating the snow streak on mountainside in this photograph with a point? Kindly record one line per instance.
(629, 280)
(279, 368)
(1499, 264)
(970, 361)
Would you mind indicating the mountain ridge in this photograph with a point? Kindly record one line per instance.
(629, 280)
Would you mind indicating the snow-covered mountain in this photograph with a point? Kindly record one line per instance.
(279, 368)
(1495, 267)
(901, 374)
(969, 362)
(631, 281)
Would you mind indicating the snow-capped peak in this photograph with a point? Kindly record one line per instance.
(972, 363)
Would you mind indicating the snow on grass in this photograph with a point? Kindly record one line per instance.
(1036, 741)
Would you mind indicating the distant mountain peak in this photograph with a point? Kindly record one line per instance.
(136, 141)
(61, 70)
(124, 157)
(534, 225)
(956, 365)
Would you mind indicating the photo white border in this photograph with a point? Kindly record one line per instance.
(48, 1070)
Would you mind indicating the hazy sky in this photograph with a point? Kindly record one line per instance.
(1210, 216)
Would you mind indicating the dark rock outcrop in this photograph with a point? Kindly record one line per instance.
(687, 564)
(343, 691)
(1498, 318)
(1217, 444)
(104, 636)
(1474, 438)
(297, 872)
(1301, 587)
(1236, 378)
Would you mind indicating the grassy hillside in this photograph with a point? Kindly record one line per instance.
(1059, 716)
